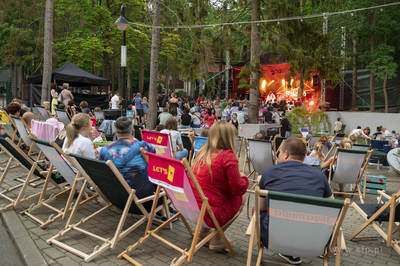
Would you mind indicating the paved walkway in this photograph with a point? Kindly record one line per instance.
(31, 240)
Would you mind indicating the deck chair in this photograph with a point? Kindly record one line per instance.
(56, 157)
(176, 180)
(187, 144)
(25, 136)
(112, 188)
(260, 155)
(299, 225)
(8, 124)
(328, 152)
(361, 147)
(63, 117)
(276, 144)
(351, 166)
(98, 114)
(43, 112)
(138, 134)
(199, 142)
(162, 142)
(312, 141)
(374, 214)
(34, 177)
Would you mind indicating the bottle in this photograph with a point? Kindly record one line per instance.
(380, 238)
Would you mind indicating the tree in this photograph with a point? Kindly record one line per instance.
(254, 62)
(155, 53)
(48, 50)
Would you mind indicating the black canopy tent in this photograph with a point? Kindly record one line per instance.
(75, 77)
(72, 74)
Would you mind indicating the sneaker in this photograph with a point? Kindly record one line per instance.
(290, 259)
(164, 218)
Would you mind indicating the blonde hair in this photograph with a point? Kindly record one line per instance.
(78, 121)
(353, 138)
(222, 135)
(346, 143)
(66, 86)
(318, 151)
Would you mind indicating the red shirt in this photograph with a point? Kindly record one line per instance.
(210, 119)
(224, 189)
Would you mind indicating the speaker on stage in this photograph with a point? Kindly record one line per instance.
(112, 114)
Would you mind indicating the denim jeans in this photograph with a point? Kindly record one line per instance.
(179, 155)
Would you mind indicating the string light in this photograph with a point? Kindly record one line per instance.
(268, 20)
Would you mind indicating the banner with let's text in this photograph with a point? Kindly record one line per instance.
(160, 141)
(165, 172)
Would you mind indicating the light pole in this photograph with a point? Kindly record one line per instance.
(122, 25)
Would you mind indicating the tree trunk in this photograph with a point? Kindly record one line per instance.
(301, 87)
(371, 77)
(155, 54)
(141, 72)
(167, 75)
(14, 80)
(385, 92)
(47, 50)
(254, 62)
(112, 73)
(173, 78)
(354, 84)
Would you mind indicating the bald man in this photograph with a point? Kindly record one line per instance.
(28, 117)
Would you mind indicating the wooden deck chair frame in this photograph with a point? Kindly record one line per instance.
(33, 178)
(24, 136)
(276, 145)
(336, 239)
(42, 112)
(362, 175)
(119, 232)
(187, 255)
(331, 151)
(262, 159)
(12, 132)
(63, 117)
(71, 178)
(393, 227)
(246, 161)
(170, 142)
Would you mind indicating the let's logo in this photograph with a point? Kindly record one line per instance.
(171, 172)
(159, 139)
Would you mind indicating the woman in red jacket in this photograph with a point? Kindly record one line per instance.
(217, 171)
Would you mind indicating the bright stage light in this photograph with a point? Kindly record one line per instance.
(264, 83)
(283, 82)
(311, 103)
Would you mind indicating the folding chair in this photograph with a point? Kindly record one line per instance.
(43, 112)
(312, 141)
(138, 134)
(328, 152)
(276, 144)
(24, 136)
(187, 144)
(260, 155)
(361, 147)
(299, 225)
(374, 214)
(176, 178)
(162, 142)
(55, 155)
(8, 124)
(351, 165)
(199, 143)
(112, 188)
(63, 117)
(33, 178)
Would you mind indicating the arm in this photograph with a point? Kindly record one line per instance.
(237, 182)
(362, 133)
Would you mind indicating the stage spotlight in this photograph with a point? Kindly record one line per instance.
(283, 82)
(264, 83)
(311, 103)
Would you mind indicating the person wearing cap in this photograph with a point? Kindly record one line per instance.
(196, 121)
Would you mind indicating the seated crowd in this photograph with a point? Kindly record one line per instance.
(216, 166)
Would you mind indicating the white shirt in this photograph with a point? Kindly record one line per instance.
(356, 131)
(241, 117)
(80, 146)
(114, 102)
(176, 137)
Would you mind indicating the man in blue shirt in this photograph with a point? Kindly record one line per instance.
(126, 156)
(139, 106)
(292, 176)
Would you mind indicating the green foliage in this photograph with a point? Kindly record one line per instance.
(304, 117)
